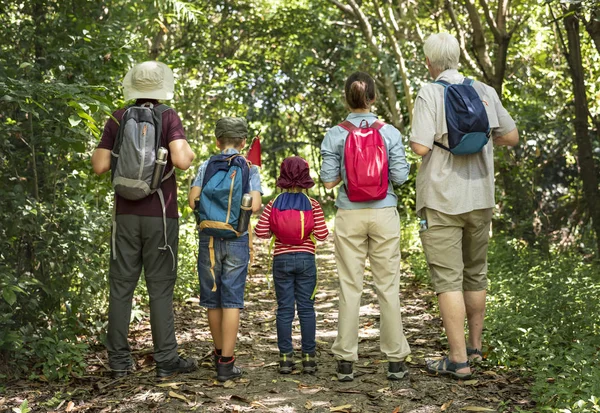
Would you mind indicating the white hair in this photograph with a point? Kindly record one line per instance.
(443, 51)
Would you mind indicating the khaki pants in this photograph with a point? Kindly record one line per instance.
(374, 233)
(456, 249)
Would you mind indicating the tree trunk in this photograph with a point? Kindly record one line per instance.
(582, 134)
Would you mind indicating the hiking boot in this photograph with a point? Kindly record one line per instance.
(215, 358)
(227, 371)
(286, 363)
(309, 363)
(396, 370)
(180, 366)
(344, 370)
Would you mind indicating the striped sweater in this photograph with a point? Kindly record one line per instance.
(263, 230)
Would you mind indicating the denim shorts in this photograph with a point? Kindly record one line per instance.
(223, 286)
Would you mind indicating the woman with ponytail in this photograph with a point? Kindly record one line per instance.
(367, 223)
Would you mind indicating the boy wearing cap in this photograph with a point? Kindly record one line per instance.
(140, 233)
(294, 266)
(223, 295)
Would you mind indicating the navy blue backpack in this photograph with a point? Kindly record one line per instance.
(468, 124)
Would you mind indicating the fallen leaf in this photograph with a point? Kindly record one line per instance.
(178, 396)
(382, 390)
(70, 407)
(397, 410)
(229, 384)
(244, 381)
(308, 405)
(342, 408)
(258, 404)
(490, 373)
(240, 398)
(446, 405)
(550, 380)
(471, 382)
(477, 409)
(172, 385)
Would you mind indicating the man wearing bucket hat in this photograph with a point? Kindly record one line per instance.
(146, 230)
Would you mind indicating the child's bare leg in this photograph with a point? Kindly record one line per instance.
(229, 328)
(215, 321)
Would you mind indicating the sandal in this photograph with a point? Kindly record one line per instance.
(445, 367)
(474, 352)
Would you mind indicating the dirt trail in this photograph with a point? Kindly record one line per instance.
(262, 389)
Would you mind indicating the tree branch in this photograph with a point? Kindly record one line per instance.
(460, 34)
(399, 58)
(490, 19)
(479, 43)
(346, 9)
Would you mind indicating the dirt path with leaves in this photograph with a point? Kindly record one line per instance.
(262, 388)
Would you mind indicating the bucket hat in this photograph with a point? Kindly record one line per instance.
(295, 172)
(149, 80)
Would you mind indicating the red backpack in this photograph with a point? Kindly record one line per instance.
(292, 221)
(366, 162)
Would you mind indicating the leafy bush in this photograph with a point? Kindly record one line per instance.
(543, 317)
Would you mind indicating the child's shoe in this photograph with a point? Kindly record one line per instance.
(309, 363)
(286, 363)
(227, 370)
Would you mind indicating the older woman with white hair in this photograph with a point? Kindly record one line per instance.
(455, 195)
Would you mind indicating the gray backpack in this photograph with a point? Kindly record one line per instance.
(134, 152)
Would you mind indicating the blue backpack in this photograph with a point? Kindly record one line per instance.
(468, 125)
(226, 180)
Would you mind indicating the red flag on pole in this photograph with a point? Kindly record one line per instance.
(254, 153)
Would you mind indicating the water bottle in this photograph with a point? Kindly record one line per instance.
(159, 168)
(245, 213)
(423, 225)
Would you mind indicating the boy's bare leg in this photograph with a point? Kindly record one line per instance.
(215, 321)
(229, 328)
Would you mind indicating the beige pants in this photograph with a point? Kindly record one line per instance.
(373, 233)
(456, 249)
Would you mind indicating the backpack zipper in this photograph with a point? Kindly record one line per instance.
(301, 224)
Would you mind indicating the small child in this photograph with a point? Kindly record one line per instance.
(294, 218)
(223, 261)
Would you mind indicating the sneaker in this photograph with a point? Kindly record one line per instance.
(180, 366)
(396, 370)
(227, 371)
(309, 363)
(286, 363)
(344, 370)
(215, 358)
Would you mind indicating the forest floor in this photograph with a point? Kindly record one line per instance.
(262, 388)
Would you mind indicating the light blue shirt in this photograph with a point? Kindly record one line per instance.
(332, 152)
(254, 173)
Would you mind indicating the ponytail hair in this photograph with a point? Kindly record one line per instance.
(360, 90)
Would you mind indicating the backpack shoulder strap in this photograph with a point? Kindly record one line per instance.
(378, 124)
(157, 112)
(442, 82)
(468, 81)
(348, 125)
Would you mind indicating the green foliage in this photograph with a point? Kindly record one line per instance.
(542, 317)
